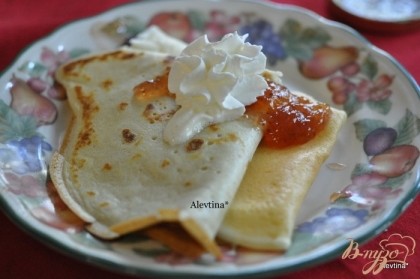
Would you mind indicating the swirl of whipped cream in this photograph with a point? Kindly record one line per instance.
(213, 82)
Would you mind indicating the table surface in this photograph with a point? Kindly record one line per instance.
(22, 256)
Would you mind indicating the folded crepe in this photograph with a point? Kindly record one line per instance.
(114, 169)
(263, 213)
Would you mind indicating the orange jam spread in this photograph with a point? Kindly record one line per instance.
(152, 89)
(287, 119)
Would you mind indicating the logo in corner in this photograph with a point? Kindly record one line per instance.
(393, 253)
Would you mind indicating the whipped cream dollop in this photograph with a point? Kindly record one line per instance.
(213, 82)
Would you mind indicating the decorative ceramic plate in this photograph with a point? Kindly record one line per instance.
(369, 179)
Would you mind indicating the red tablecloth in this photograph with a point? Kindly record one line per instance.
(21, 256)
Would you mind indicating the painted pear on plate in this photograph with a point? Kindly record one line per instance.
(175, 24)
(327, 60)
(25, 101)
(395, 161)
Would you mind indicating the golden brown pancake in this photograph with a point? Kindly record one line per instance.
(114, 169)
(263, 213)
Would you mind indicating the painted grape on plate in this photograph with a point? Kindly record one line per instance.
(379, 140)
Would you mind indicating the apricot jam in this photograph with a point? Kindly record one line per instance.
(287, 119)
(152, 89)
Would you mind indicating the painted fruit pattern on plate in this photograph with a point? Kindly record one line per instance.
(352, 76)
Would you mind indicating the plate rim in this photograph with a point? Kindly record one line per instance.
(313, 260)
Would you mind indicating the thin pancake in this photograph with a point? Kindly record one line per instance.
(115, 171)
(262, 215)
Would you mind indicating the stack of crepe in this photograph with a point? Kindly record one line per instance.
(115, 171)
